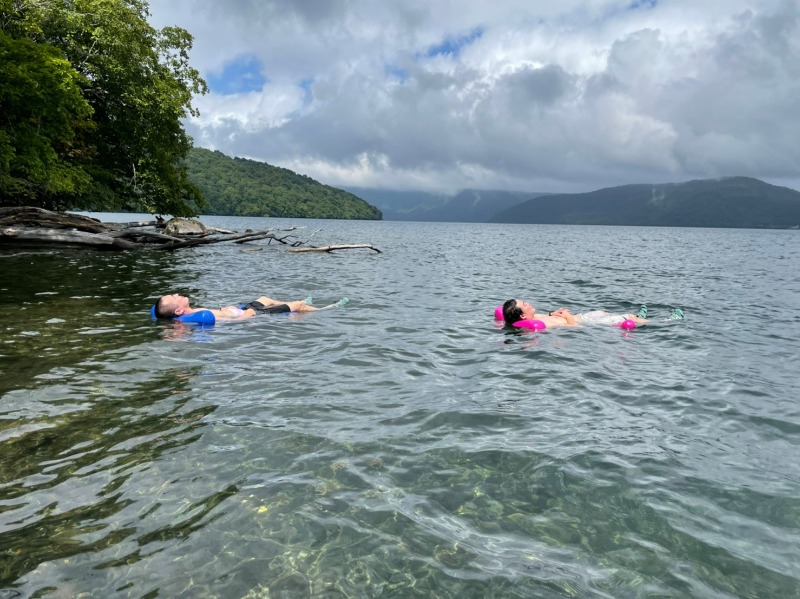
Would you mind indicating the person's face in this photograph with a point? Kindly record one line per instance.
(528, 311)
(178, 303)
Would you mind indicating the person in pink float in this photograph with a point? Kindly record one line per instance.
(515, 310)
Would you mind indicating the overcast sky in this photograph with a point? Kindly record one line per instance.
(527, 95)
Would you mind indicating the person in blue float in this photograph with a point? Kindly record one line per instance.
(176, 306)
(515, 310)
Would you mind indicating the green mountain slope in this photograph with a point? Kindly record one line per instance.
(738, 202)
(241, 187)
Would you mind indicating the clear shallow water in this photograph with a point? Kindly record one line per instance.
(404, 446)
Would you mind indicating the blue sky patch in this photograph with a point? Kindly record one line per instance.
(452, 46)
(243, 74)
(308, 94)
(645, 4)
(396, 73)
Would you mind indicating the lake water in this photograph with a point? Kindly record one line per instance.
(404, 445)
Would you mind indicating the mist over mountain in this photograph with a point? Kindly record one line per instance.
(469, 205)
(737, 202)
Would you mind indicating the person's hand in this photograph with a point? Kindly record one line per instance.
(562, 312)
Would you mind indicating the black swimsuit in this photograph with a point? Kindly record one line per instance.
(262, 309)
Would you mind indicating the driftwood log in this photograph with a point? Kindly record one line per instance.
(36, 226)
(330, 248)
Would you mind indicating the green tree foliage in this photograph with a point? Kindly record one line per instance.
(241, 187)
(121, 147)
(43, 117)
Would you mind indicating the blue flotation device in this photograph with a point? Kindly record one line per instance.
(199, 317)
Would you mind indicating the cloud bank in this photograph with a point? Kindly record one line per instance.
(527, 95)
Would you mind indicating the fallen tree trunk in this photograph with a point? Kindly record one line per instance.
(29, 225)
(39, 217)
(68, 237)
(240, 238)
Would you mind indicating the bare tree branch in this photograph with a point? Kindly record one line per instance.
(330, 248)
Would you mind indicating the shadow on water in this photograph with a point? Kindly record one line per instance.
(66, 469)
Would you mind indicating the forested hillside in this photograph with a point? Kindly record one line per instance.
(736, 202)
(242, 187)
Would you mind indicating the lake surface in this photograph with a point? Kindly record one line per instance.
(404, 445)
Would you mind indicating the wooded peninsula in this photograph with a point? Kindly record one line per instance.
(242, 187)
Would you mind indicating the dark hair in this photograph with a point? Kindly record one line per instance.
(162, 311)
(511, 311)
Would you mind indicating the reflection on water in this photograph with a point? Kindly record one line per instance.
(404, 446)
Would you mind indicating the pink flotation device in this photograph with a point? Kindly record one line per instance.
(627, 324)
(533, 325)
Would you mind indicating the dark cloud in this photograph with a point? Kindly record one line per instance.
(582, 95)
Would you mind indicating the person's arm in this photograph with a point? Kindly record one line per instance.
(566, 315)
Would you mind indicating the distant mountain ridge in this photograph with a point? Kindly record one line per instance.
(468, 205)
(734, 202)
(242, 187)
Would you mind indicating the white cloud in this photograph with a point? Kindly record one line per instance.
(535, 95)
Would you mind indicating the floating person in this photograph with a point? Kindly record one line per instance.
(178, 307)
(517, 310)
